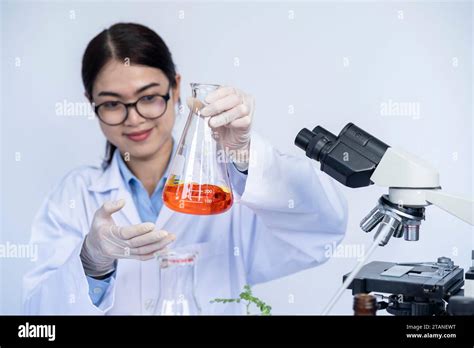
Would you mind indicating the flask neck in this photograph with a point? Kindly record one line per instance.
(200, 91)
(176, 274)
(177, 280)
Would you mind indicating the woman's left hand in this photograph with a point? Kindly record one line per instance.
(231, 112)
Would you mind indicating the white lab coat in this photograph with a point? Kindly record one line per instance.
(285, 215)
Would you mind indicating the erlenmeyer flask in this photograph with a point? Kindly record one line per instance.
(198, 181)
(177, 285)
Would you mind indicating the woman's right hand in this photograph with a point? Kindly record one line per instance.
(107, 242)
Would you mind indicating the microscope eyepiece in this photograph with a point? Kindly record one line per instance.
(350, 158)
(303, 138)
(314, 142)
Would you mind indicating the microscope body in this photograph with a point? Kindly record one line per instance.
(355, 158)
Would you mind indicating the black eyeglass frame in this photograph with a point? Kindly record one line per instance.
(166, 98)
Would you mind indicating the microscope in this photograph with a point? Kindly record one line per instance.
(357, 159)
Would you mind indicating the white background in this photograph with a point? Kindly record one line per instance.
(331, 62)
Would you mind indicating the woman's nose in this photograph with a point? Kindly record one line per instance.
(134, 117)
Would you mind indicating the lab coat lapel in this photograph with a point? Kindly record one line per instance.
(129, 211)
(164, 216)
(111, 185)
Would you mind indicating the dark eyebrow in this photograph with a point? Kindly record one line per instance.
(141, 89)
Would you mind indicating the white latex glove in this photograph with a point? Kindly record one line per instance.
(107, 242)
(231, 112)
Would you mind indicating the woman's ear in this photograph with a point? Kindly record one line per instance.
(177, 89)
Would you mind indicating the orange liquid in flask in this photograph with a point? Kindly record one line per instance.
(197, 199)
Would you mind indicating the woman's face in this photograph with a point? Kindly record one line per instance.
(140, 137)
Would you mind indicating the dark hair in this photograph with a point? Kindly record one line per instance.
(135, 42)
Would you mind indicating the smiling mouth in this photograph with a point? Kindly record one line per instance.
(139, 136)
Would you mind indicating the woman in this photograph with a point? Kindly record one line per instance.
(96, 256)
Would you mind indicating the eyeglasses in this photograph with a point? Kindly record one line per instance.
(150, 107)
